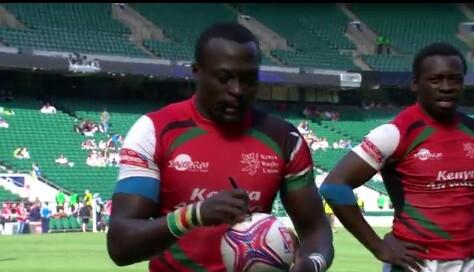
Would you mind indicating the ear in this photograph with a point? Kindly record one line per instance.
(195, 69)
(414, 84)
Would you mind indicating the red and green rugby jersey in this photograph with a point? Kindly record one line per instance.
(192, 159)
(428, 170)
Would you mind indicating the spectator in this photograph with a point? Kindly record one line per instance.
(104, 120)
(6, 111)
(21, 218)
(60, 199)
(324, 144)
(48, 109)
(115, 141)
(21, 153)
(92, 159)
(381, 201)
(113, 159)
(89, 144)
(62, 160)
(102, 145)
(45, 217)
(36, 170)
(88, 198)
(73, 201)
(360, 203)
(35, 215)
(379, 43)
(386, 44)
(3, 123)
(5, 215)
(84, 215)
(303, 127)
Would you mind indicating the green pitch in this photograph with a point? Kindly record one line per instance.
(79, 252)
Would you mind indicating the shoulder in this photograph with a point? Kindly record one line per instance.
(272, 124)
(409, 121)
(282, 133)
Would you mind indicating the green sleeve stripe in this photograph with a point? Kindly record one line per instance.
(298, 182)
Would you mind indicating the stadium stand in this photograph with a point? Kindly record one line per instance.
(182, 24)
(389, 63)
(420, 25)
(71, 27)
(316, 34)
(7, 195)
(66, 224)
(47, 137)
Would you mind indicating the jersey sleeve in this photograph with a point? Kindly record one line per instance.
(299, 169)
(138, 171)
(378, 145)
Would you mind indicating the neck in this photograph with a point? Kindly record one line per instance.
(447, 118)
(200, 108)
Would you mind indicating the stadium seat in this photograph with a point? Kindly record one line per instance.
(69, 27)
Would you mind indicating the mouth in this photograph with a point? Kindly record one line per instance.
(230, 108)
(446, 102)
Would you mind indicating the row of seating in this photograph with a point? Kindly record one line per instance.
(316, 32)
(67, 224)
(7, 195)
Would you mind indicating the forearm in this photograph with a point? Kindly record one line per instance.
(135, 240)
(318, 240)
(353, 220)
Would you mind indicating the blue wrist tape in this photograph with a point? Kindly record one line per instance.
(340, 194)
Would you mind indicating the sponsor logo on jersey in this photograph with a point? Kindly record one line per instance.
(252, 162)
(131, 157)
(455, 175)
(469, 149)
(184, 162)
(200, 194)
(372, 150)
(424, 154)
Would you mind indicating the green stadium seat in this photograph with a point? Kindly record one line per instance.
(69, 27)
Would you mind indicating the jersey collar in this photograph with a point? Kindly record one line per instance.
(433, 122)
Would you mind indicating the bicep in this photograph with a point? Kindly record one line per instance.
(129, 206)
(352, 170)
(367, 158)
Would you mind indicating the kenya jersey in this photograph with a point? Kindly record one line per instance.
(191, 159)
(428, 170)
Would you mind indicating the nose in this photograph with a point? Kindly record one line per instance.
(446, 86)
(235, 88)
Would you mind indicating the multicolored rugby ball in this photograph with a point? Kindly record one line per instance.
(259, 243)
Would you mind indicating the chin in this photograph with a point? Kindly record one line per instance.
(228, 119)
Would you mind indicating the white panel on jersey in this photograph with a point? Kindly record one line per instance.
(138, 150)
(378, 145)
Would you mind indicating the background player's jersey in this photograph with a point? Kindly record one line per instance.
(428, 170)
(193, 160)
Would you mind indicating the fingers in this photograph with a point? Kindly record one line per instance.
(413, 263)
(240, 194)
(415, 247)
(226, 207)
(230, 215)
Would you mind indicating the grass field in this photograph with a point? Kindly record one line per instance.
(71, 252)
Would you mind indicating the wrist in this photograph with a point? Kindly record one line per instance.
(319, 262)
(376, 247)
(184, 219)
